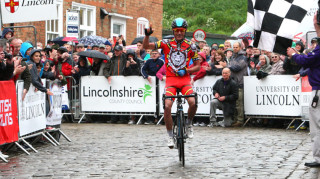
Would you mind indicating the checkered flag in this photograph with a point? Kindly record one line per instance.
(275, 22)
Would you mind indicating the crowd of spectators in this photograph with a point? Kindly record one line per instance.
(22, 61)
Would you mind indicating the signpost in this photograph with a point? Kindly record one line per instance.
(199, 35)
(72, 22)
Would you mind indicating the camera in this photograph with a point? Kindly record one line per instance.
(7, 55)
(315, 101)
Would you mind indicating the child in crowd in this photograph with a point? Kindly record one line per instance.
(48, 70)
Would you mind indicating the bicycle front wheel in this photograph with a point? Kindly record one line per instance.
(181, 131)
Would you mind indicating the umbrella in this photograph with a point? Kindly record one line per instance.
(151, 39)
(246, 35)
(94, 54)
(92, 40)
(62, 40)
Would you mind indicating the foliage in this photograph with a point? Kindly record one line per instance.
(215, 16)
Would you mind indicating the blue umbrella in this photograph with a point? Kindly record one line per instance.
(92, 40)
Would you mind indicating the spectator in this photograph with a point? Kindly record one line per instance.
(121, 41)
(51, 53)
(39, 45)
(81, 69)
(215, 45)
(193, 41)
(225, 92)
(35, 57)
(80, 48)
(290, 66)
(7, 33)
(68, 47)
(152, 66)
(238, 67)
(95, 47)
(262, 69)
(64, 66)
(206, 50)
(25, 50)
(255, 58)
(133, 64)
(102, 48)
(75, 57)
(212, 53)
(202, 72)
(227, 45)
(50, 43)
(48, 71)
(15, 44)
(314, 43)
(221, 47)
(249, 52)
(277, 65)
(116, 65)
(6, 64)
(147, 57)
(108, 47)
(202, 43)
(141, 53)
(228, 54)
(161, 74)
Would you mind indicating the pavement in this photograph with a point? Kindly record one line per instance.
(100, 150)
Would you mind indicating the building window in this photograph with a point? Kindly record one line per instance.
(54, 28)
(118, 24)
(87, 18)
(141, 24)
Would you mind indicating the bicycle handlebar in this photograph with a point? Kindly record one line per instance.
(180, 96)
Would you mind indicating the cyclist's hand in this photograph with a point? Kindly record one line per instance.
(148, 31)
(181, 72)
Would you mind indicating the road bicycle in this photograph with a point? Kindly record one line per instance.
(179, 123)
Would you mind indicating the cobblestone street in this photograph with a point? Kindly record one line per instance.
(102, 150)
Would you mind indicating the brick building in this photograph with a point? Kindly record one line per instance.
(104, 18)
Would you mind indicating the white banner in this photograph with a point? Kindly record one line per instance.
(278, 95)
(55, 114)
(14, 11)
(32, 110)
(125, 94)
(72, 24)
(203, 87)
(65, 99)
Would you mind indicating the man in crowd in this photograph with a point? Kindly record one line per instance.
(80, 48)
(225, 92)
(6, 64)
(312, 61)
(141, 53)
(206, 50)
(152, 66)
(202, 43)
(238, 67)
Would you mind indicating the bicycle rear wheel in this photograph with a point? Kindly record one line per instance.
(180, 141)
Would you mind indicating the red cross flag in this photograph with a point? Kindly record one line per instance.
(14, 11)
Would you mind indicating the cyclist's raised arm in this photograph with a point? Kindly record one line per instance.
(146, 44)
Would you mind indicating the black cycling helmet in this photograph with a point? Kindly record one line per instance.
(179, 22)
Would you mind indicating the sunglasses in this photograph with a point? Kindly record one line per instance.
(179, 29)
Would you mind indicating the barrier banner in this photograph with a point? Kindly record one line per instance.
(55, 114)
(65, 100)
(9, 127)
(125, 94)
(278, 95)
(32, 110)
(203, 87)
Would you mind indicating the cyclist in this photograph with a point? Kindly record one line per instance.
(178, 52)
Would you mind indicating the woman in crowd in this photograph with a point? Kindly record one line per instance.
(81, 69)
(262, 69)
(217, 65)
(277, 65)
(48, 71)
(35, 57)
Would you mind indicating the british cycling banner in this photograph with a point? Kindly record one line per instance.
(32, 110)
(9, 127)
(55, 114)
(124, 94)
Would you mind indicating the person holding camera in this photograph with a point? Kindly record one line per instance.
(312, 61)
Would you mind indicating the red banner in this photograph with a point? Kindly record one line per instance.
(9, 127)
(305, 86)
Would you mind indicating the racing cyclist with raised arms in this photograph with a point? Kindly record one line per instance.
(178, 53)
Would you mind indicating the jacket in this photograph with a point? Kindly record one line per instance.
(115, 66)
(277, 68)
(6, 71)
(202, 72)
(25, 75)
(83, 71)
(312, 62)
(290, 66)
(229, 89)
(35, 78)
(24, 47)
(151, 67)
(133, 70)
(238, 67)
(214, 70)
(161, 73)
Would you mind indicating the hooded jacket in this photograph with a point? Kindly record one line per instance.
(115, 66)
(83, 70)
(238, 67)
(35, 78)
(266, 68)
(5, 31)
(24, 47)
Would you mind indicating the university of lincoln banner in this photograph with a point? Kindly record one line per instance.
(278, 95)
(9, 127)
